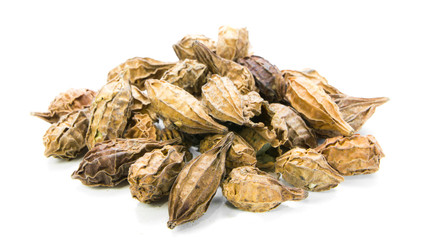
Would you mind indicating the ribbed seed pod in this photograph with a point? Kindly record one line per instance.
(152, 175)
(184, 48)
(251, 189)
(233, 43)
(107, 164)
(307, 169)
(352, 155)
(181, 108)
(197, 184)
(260, 138)
(252, 104)
(64, 103)
(66, 138)
(169, 134)
(313, 76)
(141, 126)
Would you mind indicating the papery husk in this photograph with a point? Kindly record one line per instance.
(184, 48)
(313, 76)
(233, 43)
(260, 138)
(141, 126)
(251, 189)
(252, 104)
(166, 134)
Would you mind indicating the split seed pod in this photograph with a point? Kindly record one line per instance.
(307, 169)
(251, 189)
(181, 108)
(64, 103)
(184, 48)
(141, 127)
(233, 43)
(197, 184)
(352, 155)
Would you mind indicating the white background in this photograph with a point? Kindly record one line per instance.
(365, 48)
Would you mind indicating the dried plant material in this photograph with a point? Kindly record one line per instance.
(352, 155)
(141, 126)
(265, 161)
(316, 106)
(184, 48)
(181, 108)
(267, 76)
(197, 184)
(252, 104)
(307, 169)
(169, 134)
(110, 111)
(251, 189)
(188, 74)
(298, 133)
(238, 74)
(64, 103)
(152, 175)
(313, 76)
(260, 138)
(66, 138)
(233, 43)
(107, 164)
(138, 69)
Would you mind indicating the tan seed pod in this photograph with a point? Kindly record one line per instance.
(352, 155)
(233, 43)
(184, 48)
(107, 164)
(138, 69)
(238, 74)
(64, 103)
(307, 169)
(66, 138)
(141, 127)
(252, 104)
(166, 134)
(251, 189)
(197, 184)
(181, 108)
(260, 138)
(313, 76)
(152, 175)
(110, 111)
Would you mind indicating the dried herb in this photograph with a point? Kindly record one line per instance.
(184, 48)
(233, 43)
(141, 127)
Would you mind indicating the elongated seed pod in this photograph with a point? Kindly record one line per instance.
(184, 48)
(233, 43)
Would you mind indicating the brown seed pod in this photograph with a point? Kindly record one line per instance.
(170, 134)
(352, 155)
(307, 169)
(313, 76)
(141, 127)
(238, 74)
(184, 48)
(252, 104)
(138, 69)
(251, 189)
(152, 175)
(197, 184)
(260, 138)
(181, 108)
(66, 138)
(64, 103)
(110, 111)
(233, 43)
(107, 164)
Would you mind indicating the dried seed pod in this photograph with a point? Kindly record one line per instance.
(107, 164)
(138, 69)
(267, 76)
(299, 134)
(352, 155)
(260, 138)
(181, 108)
(187, 74)
(141, 127)
(110, 111)
(238, 74)
(251, 189)
(316, 106)
(184, 48)
(152, 175)
(64, 103)
(197, 184)
(313, 76)
(307, 169)
(169, 134)
(252, 104)
(233, 43)
(66, 138)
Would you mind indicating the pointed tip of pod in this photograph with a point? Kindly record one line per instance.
(171, 224)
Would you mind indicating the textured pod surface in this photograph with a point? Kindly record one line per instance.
(260, 138)
(181, 108)
(316, 106)
(307, 169)
(188, 74)
(197, 184)
(238, 74)
(267, 76)
(169, 134)
(352, 155)
(107, 164)
(313, 76)
(110, 111)
(233, 43)
(152, 175)
(184, 48)
(66, 138)
(141, 126)
(64, 103)
(252, 104)
(251, 189)
(138, 69)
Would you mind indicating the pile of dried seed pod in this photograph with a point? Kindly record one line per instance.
(246, 117)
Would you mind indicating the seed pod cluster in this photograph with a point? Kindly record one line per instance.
(251, 122)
